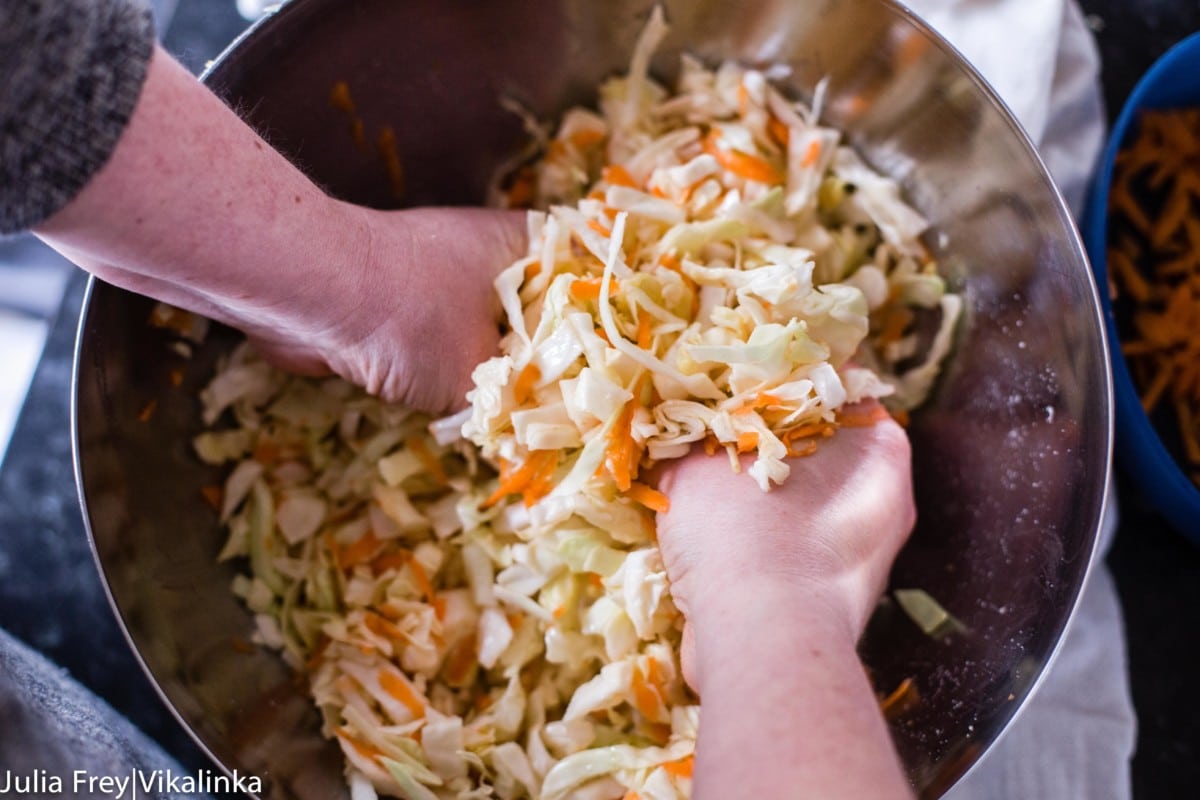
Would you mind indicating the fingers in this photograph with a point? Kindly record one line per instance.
(840, 517)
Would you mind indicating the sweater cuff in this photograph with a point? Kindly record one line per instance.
(71, 72)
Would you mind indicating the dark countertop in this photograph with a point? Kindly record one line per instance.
(51, 595)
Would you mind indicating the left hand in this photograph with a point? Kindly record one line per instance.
(193, 208)
(420, 312)
(413, 318)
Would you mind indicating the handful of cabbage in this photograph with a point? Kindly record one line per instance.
(479, 603)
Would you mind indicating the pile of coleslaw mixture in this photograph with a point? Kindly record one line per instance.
(479, 604)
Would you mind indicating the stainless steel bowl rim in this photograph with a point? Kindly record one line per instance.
(1076, 243)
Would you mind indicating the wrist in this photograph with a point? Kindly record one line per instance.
(771, 668)
(748, 620)
(805, 574)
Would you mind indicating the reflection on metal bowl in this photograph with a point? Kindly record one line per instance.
(1011, 453)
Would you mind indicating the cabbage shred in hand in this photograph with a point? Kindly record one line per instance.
(714, 269)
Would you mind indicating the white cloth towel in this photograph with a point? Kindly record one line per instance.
(1075, 736)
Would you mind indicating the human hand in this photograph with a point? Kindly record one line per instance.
(412, 311)
(195, 209)
(832, 530)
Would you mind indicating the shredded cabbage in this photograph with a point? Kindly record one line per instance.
(479, 603)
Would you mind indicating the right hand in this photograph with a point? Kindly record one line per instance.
(832, 529)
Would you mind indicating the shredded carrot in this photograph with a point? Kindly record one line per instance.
(483, 701)
(517, 482)
(650, 498)
(743, 99)
(390, 611)
(213, 496)
(1162, 379)
(526, 380)
(644, 337)
(657, 732)
(381, 626)
(421, 578)
(902, 698)
(558, 611)
(855, 105)
(389, 561)
(860, 419)
(681, 768)
(521, 193)
(318, 654)
(747, 441)
(807, 448)
(631, 795)
(595, 581)
(461, 662)
(616, 175)
(896, 319)
(778, 131)
(811, 154)
(655, 676)
(242, 646)
(912, 46)
(541, 484)
(822, 429)
(621, 448)
(368, 751)
(1154, 261)
(745, 165)
(359, 552)
(391, 161)
(585, 289)
(399, 689)
(1134, 283)
(647, 698)
(671, 262)
(586, 138)
(147, 412)
(598, 228)
(761, 400)
(764, 399)
(265, 451)
(339, 98)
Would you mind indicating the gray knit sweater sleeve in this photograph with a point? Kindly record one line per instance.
(71, 72)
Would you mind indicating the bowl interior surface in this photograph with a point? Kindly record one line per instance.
(1011, 453)
(1173, 82)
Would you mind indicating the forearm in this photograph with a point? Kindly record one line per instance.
(195, 208)
(787, 707)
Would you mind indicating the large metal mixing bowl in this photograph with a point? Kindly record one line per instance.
(1011, 454)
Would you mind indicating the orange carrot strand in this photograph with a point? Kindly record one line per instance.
(650, 498)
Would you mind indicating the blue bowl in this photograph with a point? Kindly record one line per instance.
(1173, 82)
